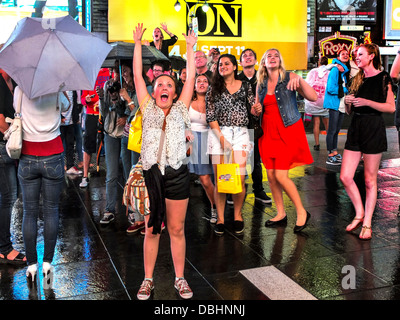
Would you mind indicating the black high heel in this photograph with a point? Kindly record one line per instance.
(300, 228)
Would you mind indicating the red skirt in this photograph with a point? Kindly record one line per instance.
(282, 147)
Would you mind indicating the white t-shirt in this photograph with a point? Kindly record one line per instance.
(41, 117)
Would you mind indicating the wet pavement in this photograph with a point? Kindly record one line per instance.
(96, 262)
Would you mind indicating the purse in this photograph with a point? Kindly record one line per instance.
(13, 134)
(135, 132)
(229, 180)
(135, 191)
(254, 122)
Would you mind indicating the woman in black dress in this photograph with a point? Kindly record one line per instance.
(371, 94)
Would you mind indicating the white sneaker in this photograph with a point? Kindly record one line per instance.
(73, 170)
(145, 290)
(213, 218)
(84, 183)
(183, 288)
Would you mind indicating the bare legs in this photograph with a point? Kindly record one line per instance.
(279, 181)
(316, 126)
(176, 213)
(371, 166)
(208, 187)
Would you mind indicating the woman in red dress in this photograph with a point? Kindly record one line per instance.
(284, 144)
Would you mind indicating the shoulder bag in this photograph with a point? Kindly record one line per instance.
(13, 134)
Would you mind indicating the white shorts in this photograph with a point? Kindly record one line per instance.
(238, 137)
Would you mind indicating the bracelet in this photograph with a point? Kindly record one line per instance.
(130, 103)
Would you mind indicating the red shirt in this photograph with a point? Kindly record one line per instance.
(92, 107)
(42, 149)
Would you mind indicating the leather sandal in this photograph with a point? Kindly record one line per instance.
(13, 257)
(363, 230)
(359, 224)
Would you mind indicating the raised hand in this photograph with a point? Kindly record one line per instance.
(190, 38)
(138, 32)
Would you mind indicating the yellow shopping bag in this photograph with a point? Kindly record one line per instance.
(135, 133)
(229, 180)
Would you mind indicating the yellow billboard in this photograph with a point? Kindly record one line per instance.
(230, 25)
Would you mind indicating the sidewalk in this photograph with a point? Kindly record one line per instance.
(94, 262)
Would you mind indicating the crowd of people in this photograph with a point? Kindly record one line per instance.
(207, 109)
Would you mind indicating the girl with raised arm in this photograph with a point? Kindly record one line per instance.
(166, 176)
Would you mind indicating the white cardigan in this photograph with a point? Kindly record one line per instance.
(41, 117)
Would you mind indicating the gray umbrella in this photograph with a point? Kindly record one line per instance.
(124, 50)
(45, 56)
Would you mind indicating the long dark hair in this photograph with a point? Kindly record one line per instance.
(217, 81)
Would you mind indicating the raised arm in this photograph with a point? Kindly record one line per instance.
(188, 87)
(140, 84)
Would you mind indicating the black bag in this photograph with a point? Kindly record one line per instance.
(254, 122)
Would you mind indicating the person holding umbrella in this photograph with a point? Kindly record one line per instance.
(41, 172)
(169, 174)
(57, 60)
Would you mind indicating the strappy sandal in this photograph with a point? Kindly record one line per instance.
(359, 224)
(363, 230)
(13, 257)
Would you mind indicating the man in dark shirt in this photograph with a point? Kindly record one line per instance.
(248, 60)
(200, 61)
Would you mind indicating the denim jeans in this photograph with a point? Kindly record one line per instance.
(129, 157)
(78, 140)
(41, 176)
(335, 124)
(8, 196)
(112, 152)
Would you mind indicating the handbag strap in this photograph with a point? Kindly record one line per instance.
(162, 138)
(18, 110)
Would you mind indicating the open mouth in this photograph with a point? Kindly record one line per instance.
(164, 97)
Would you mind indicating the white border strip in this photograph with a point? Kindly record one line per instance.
(276, 285)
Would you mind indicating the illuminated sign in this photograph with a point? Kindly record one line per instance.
(229, 25)
(346, 11)
(221, 20)
(392, 20)
(331, 45)
(13, 11)
(88, 17)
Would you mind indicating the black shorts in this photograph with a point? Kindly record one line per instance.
(177, 183)
(367, 134)
(89, 138)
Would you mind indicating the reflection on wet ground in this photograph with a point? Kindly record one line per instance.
(104, 262)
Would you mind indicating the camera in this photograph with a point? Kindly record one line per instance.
(114, 87)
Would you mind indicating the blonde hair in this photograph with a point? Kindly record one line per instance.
(262, 73)
(376, 61)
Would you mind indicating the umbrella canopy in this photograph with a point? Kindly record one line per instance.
(177, 63)
(124, 50)
(45, 56)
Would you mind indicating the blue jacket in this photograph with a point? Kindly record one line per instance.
(286, 100)
(331, 99)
